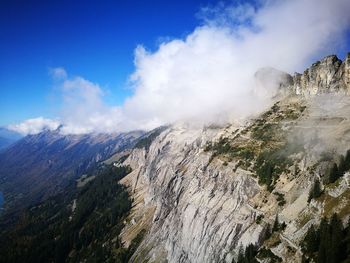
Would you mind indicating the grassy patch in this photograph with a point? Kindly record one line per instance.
(262, 146)
(303, 219)
(340, 203)
(269, 165)
(146, 141)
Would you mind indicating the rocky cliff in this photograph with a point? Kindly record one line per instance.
(326, 76)
(201, 194)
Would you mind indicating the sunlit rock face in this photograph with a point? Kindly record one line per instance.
(202, 211)
(197, 206)
(325, 76)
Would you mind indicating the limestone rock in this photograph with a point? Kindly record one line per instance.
(326, 76)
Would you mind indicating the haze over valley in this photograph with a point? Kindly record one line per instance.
(197, 131)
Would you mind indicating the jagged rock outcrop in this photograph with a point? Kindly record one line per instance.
(325, 76)
(199, 205)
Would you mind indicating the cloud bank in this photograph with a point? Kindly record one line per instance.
(209, 75)
(33, 126)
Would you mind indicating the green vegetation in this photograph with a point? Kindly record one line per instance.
(55, 231)
(224, 147)
(334, 174)
(336, 171)
(145, 142)
(265, 253)
(264, 132)
(123, 158)
(277, 226)
(259, 218)
(329, 243)
(315, 191)
(269, 165)
(262, 146)
(248, 255)
(280, 198)
(124, 254)
(252, 252)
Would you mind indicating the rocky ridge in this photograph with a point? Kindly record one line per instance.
(53, 160)
(326, 76)
(201, 204)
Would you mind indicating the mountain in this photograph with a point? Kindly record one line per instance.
(8, 137)
(202, 194)
(94, 212)
(274, 188)
(41, 165)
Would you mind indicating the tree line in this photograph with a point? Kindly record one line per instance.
(52, 232)
(327, 243)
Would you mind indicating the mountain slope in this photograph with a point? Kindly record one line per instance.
(202, 194)
(254, 191)
(80, 224)
(8, 137)
(41, 165)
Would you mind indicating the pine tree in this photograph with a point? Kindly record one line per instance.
(342, 166)
(266, 234)
(240, 258)
(324, 235)
(335, 251)
(327, 244)
(334, 173)
(347, 161)
(347, 238)
(315, 190)
(276, 224)
(311, 240)
(250, 252)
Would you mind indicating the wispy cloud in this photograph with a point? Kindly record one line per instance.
(33, 126)
(209, 75)
(58, 73)
(84, 110)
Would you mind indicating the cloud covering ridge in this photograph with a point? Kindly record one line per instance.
(209, 75)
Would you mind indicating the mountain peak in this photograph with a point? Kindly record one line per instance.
(329, 75)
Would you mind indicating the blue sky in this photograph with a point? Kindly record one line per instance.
(94, 39)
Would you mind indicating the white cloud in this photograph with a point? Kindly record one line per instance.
(58, 73)
(84, 110)
(33, 126)
(209, 75)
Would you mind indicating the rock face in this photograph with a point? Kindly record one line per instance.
(202, 211)
(197, 206)
(326, 76)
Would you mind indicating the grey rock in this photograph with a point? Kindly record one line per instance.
(329, 75)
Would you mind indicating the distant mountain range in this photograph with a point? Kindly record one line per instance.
(8, 137)
(274, 188)
(38, 166)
